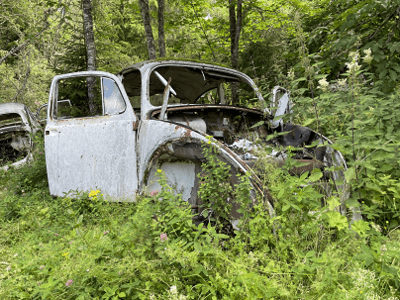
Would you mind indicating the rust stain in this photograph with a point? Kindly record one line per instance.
(188, 133)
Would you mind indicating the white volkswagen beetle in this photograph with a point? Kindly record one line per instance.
(120, 129)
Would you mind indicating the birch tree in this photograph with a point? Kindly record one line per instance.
(145, 11)
(90, 50)
(161, 35)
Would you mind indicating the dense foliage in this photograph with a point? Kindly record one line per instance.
(86, 248)
(339, 59)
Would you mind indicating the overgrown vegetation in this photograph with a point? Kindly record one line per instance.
(87, 248)
(339, 59)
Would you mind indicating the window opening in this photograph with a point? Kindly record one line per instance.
(113, 101)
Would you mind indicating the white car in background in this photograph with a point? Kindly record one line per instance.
(17, 127)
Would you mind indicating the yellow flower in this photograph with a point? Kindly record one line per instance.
(209, 142)
(93, 193)
(65, 254)
(159, 171)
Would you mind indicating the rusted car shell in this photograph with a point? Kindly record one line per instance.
(120, 154)
(17, 136)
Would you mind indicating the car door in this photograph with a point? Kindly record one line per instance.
(91, 144)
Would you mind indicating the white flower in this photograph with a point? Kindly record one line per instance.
(353, 66)
(368, 52)
(323, 84)
(354, 55)
(342, 82)
(368, 57)
(208, 17)
(173, 290)
(16, 254)
(290, 74)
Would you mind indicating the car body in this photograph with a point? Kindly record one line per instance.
(158, 115)
(17, 127)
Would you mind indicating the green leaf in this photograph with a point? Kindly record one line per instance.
(314, 177)
(308, 122)
(274, 135)
(382, 74)
(333, 202)
(258, 124)
(390, 270)
(222, 236)
(393, 223)
(296, 207)
(280, 194)
(304, 175)
(200, 269)
(197, 247)
(350, 174)
(300, 79)
(368, 257)
(301, 91)
(320, 76)
(361, 227)
(335, 219)
(396, 67)
(393, 75)
(286, 207)
(310, 253)
(173, 221)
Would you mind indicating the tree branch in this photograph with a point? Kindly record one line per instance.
(15, 50)
(23, 85)
(383, 24)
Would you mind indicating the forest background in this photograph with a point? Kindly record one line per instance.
(341, 62)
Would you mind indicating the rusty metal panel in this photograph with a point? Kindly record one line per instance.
(181, 176)
(154, 133)
(94, 152)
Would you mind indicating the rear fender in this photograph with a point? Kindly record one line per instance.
(177, 150)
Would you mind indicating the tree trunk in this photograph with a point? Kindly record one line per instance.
(91, 52)
(232, 31)
(145, 10)
(161, 35)
(235, 21)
